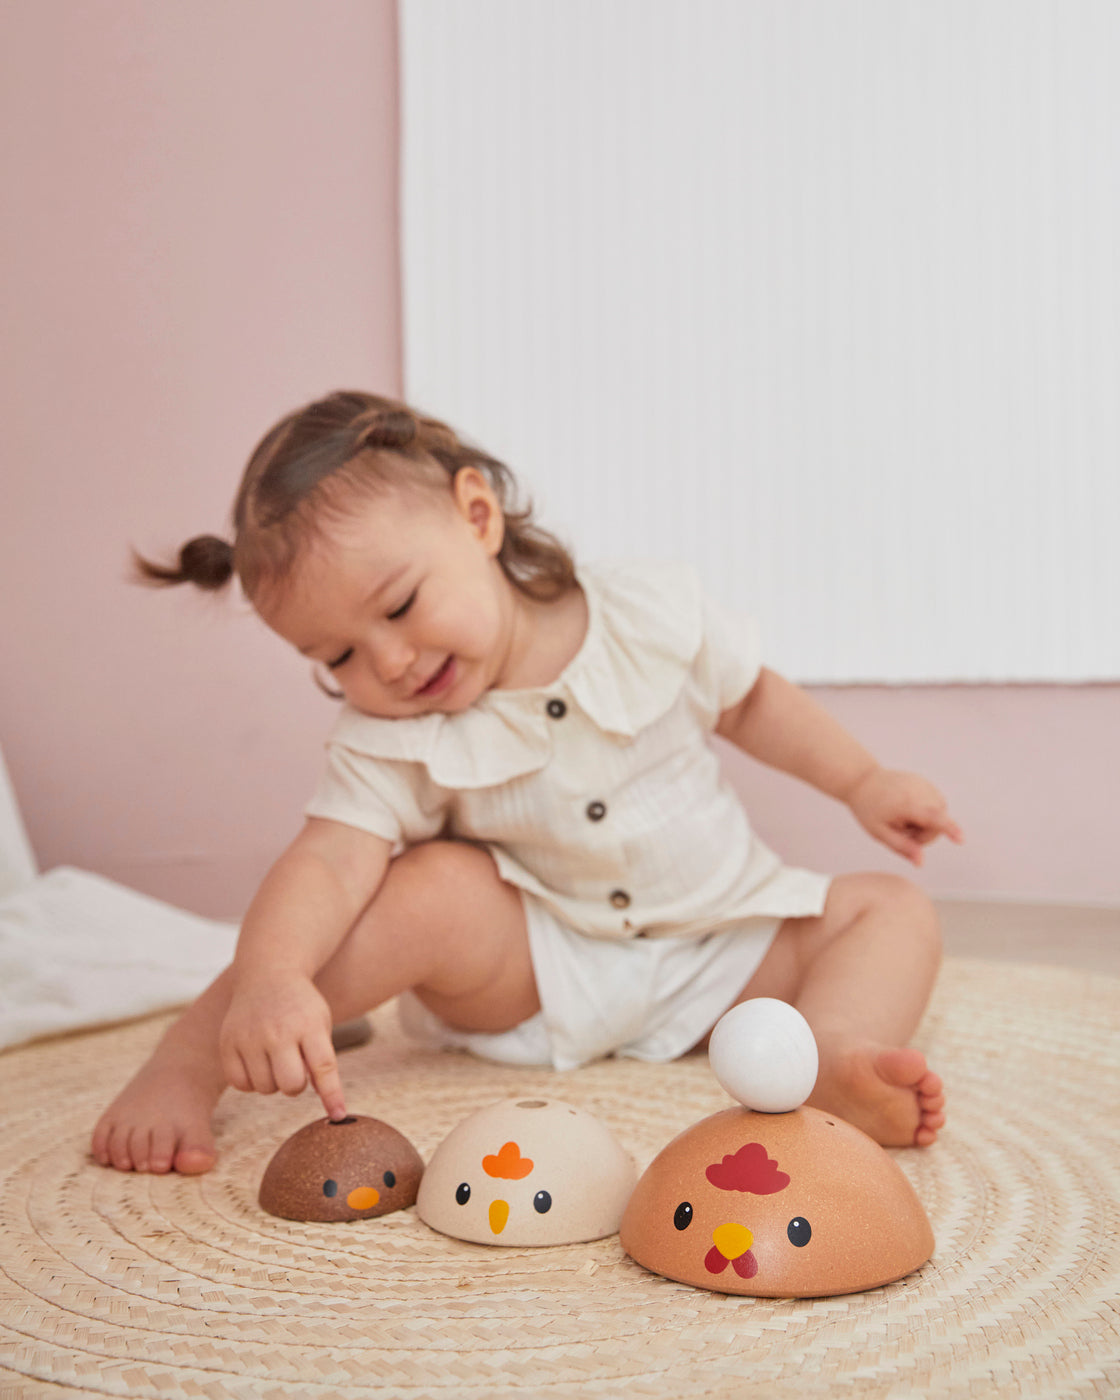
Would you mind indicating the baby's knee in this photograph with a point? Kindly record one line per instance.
(907, 906)
(434, 871)
(913, 912)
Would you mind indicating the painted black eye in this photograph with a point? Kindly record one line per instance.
(463, 1194)
(800, 1232)
(330, 1188)
(683, 1217)
(542, 1202)
(389, 1179)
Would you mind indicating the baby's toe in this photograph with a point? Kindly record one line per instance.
(194, 1158)
(162, 1153)
(930, 1085)
(140, 1149)
(119, 1147)
(902, 1067)
(931, 1098)
(99, 1143)
(932, 1120)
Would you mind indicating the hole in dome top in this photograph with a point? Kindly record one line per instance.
(341, 1122)
(533, 1103)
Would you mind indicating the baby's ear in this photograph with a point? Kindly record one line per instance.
(479, 507)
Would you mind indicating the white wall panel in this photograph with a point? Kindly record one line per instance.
(821, 294)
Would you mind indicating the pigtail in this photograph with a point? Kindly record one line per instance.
(205, 561)
(388, 430)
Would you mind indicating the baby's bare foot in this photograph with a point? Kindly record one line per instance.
(160, 1122)
(888, 1091)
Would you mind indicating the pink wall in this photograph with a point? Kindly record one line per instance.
(1030, 773)
(205, 235)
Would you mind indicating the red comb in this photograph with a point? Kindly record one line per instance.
(749, 1169)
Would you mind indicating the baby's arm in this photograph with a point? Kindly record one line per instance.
(780, 725)
(277, 1032)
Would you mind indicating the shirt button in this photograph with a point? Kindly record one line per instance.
(596, 811)
(620, 899)
(557, 709)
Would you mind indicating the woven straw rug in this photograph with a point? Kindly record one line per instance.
(170, 1287)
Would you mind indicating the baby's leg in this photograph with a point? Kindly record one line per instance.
(443, 924)
(861, 974)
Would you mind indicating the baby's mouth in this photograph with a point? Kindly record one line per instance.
(438, 682)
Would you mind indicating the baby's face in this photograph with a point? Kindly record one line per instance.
(403, 600)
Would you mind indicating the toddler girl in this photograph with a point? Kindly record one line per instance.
(521, 826)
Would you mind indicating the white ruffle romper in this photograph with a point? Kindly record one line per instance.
(649, 902)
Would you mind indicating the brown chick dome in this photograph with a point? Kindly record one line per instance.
(352, 1169)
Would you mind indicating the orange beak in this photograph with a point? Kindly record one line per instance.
(363, 1198)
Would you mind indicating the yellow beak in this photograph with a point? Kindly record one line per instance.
(732, 1240)
(499, 1214)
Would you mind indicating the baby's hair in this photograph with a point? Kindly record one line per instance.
(313, 464)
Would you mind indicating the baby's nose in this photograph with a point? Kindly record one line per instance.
(392, 661)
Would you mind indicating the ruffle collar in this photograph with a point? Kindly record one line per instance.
(644, 629)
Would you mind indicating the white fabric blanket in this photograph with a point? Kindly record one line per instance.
(78, 950)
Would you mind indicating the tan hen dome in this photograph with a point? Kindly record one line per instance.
(794, 1203)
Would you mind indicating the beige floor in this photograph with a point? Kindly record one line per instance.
(1085, 936)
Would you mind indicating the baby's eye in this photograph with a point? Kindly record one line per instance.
(340, 660)
(404, 607)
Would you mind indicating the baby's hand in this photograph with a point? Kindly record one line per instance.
(277, 1035)
(903, 811)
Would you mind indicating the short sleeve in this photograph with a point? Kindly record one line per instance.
(392, 799)
(727, 663)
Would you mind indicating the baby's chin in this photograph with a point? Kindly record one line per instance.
(459, 696)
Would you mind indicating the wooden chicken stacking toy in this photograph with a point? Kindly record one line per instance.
(527, 1172)
(774, 1199)
(352, 1169)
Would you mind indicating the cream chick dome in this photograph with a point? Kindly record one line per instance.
(527, 1171)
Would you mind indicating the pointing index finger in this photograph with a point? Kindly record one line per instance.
(322, 1066)
(952, 831)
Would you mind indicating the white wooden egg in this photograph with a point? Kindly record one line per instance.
(763, 1053)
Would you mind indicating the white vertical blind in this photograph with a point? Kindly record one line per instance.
(821, 294)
